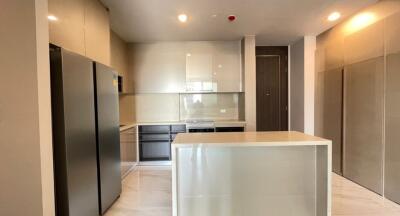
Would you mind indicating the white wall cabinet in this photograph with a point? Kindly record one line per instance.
(199, 66)
(179, 67)
(213, 66)
(157, 67)
(227, 66)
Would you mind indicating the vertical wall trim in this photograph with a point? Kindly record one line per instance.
(289, 89)
(384, 109)
(250, 81)
(44, 108)
(309, 83)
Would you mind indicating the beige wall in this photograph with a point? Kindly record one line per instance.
(296, 77)
(223, 107)
(82, 27)
(127, 109)
(26, 180)
(119, 59)
(249, 65)
(156, 107)
(302, 90)
(120, 62)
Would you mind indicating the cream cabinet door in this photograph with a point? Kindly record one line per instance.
(227, 66)
(97, 32)
(213, 66)
(158, 67)
(69, 29)
(199, 66)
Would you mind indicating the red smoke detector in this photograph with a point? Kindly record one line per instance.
(231, 18)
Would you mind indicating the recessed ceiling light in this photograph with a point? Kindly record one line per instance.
(182, 18)
(360, 21)
(52, 18)
(334, 16)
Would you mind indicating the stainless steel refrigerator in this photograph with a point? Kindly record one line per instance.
(85, 134)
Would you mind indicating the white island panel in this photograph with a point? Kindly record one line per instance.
(237, 178)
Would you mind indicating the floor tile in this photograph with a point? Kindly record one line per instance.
(147, 192)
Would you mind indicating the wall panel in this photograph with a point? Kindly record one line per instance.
(363, 155)
(364, 44)
(332, 114)
(392, 34)
(392, 134)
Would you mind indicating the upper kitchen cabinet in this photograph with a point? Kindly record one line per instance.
(82, 26)
(158, 67)
(227, 66)
(179, 67)
(68, 31)
(213, 66)
(199, 67)
(97, 32)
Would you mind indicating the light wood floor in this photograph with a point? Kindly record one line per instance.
(147, 192)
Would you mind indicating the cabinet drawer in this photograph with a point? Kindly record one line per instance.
(154, 137)
(154, 129)
(229, 129)
(178, 128)
(150, 151)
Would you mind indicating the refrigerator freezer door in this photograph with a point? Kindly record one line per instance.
(108, 143)
(74, 136)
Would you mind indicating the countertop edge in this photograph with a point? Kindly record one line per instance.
(254, 144)
(217, 124)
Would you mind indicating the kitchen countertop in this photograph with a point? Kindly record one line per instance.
(281, 138)
(221, 123)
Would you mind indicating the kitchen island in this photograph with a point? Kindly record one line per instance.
(251, 174)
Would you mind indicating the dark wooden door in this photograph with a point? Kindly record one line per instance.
(272, 88)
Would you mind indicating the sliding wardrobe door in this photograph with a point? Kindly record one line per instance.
(392, 109)
(332, 114)
(363, 107)
(329, 95)
(392, 133)
(363, 154)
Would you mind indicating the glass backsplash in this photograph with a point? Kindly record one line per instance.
(209, 106)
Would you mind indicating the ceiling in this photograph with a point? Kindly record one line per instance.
(274, 22)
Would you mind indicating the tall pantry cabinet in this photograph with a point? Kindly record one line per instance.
(358, 103)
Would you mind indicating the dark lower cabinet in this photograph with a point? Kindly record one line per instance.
(155, 141)
(229, 129)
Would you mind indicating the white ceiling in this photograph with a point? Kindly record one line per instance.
(274, 22)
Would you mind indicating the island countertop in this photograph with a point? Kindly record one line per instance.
(278, 138)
